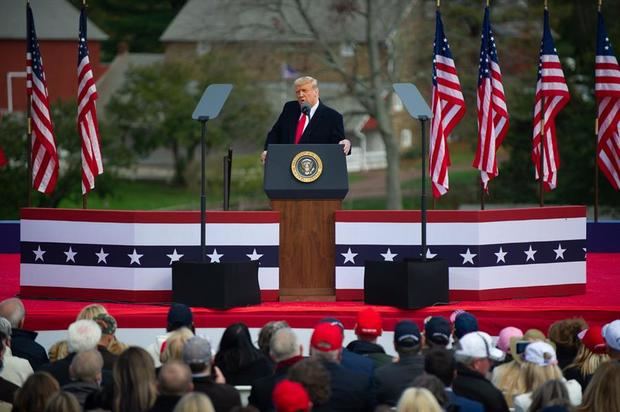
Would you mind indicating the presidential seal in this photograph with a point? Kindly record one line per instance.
(307, 166)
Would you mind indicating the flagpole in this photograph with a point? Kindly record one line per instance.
(482, 195)
(595, 170)
(541, 163)
(28, 136)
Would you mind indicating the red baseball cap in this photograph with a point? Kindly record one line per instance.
(592, 338)
(326, 337)
(289, 396)
(369, 323)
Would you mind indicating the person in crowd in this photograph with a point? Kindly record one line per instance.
(435, 386)
(440, 362)
(475, 354)
(504, 338)
(15, 370)
(391, 380)
(591, 354)
(238, 359)
(349, 390)
(172, 348)
(63, 402)
(285, 351)
(135, 389)
(418, 400)
(602, 393)
(81, 335)
(60, 349)
(611, 334)
(368, 328)
(289, 396)
(7, 388)
(307, 120)
(314, 377)
(507, 376)
(551, 393)
(351, 360)
(109, 341)
(174, 381)
(265, 334)
(210, 381)
(86, 374)
(464, 323)
(107, 324)
(540, 365)
(36, 391)
(563, 334)
(194, 402)
(22, 341)
(179, 315)
(437, 332)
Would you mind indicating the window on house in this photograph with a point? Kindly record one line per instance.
(406, 138)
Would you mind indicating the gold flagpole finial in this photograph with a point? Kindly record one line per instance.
(438, 3)
(600, 5)
(546, 5)
(488, 3)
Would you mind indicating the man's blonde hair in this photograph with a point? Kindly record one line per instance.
(306, 79)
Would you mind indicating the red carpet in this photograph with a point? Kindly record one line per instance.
(600, 304)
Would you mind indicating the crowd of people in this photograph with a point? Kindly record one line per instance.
(446, 364)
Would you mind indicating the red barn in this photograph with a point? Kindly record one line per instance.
(56, 22)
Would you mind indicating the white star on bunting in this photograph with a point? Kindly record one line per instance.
(388, 256)
(135, 257)
(559, 252)
(215, 257)
(349, 256)
(468, 257)
(70, 255)
(530, 254)
(501, 255)
(254, 256)
(174, 257)
(38, 254)
(102, 256)
(429, 254)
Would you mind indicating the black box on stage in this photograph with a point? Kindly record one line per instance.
(409, 284)
(215, 285)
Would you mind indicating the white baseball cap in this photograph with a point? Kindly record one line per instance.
(611, 334)
(540, 353)
(478, 345)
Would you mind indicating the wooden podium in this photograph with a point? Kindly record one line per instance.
(306, 184)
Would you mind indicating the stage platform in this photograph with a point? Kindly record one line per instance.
(599, 304)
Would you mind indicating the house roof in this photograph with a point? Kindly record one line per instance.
(53, 19)
(116, 74)
(264, 20)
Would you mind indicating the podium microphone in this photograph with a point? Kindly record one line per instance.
(305, 108)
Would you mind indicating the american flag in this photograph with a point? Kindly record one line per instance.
(551, 96)
(492, 110)
(92, 164)
(448, 109)
(607, 79)
(44, 155)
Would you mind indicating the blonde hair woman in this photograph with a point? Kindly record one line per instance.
(541, 365)
(417, 400)
(90, 311)
(135, 388)
(173, 346)
(591, 354)
(194, 402)
(63, 402)
(602, 393)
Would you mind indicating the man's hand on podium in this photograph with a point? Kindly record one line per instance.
(263, 157)
(346, 143)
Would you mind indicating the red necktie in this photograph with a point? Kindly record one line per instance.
(300, 128)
